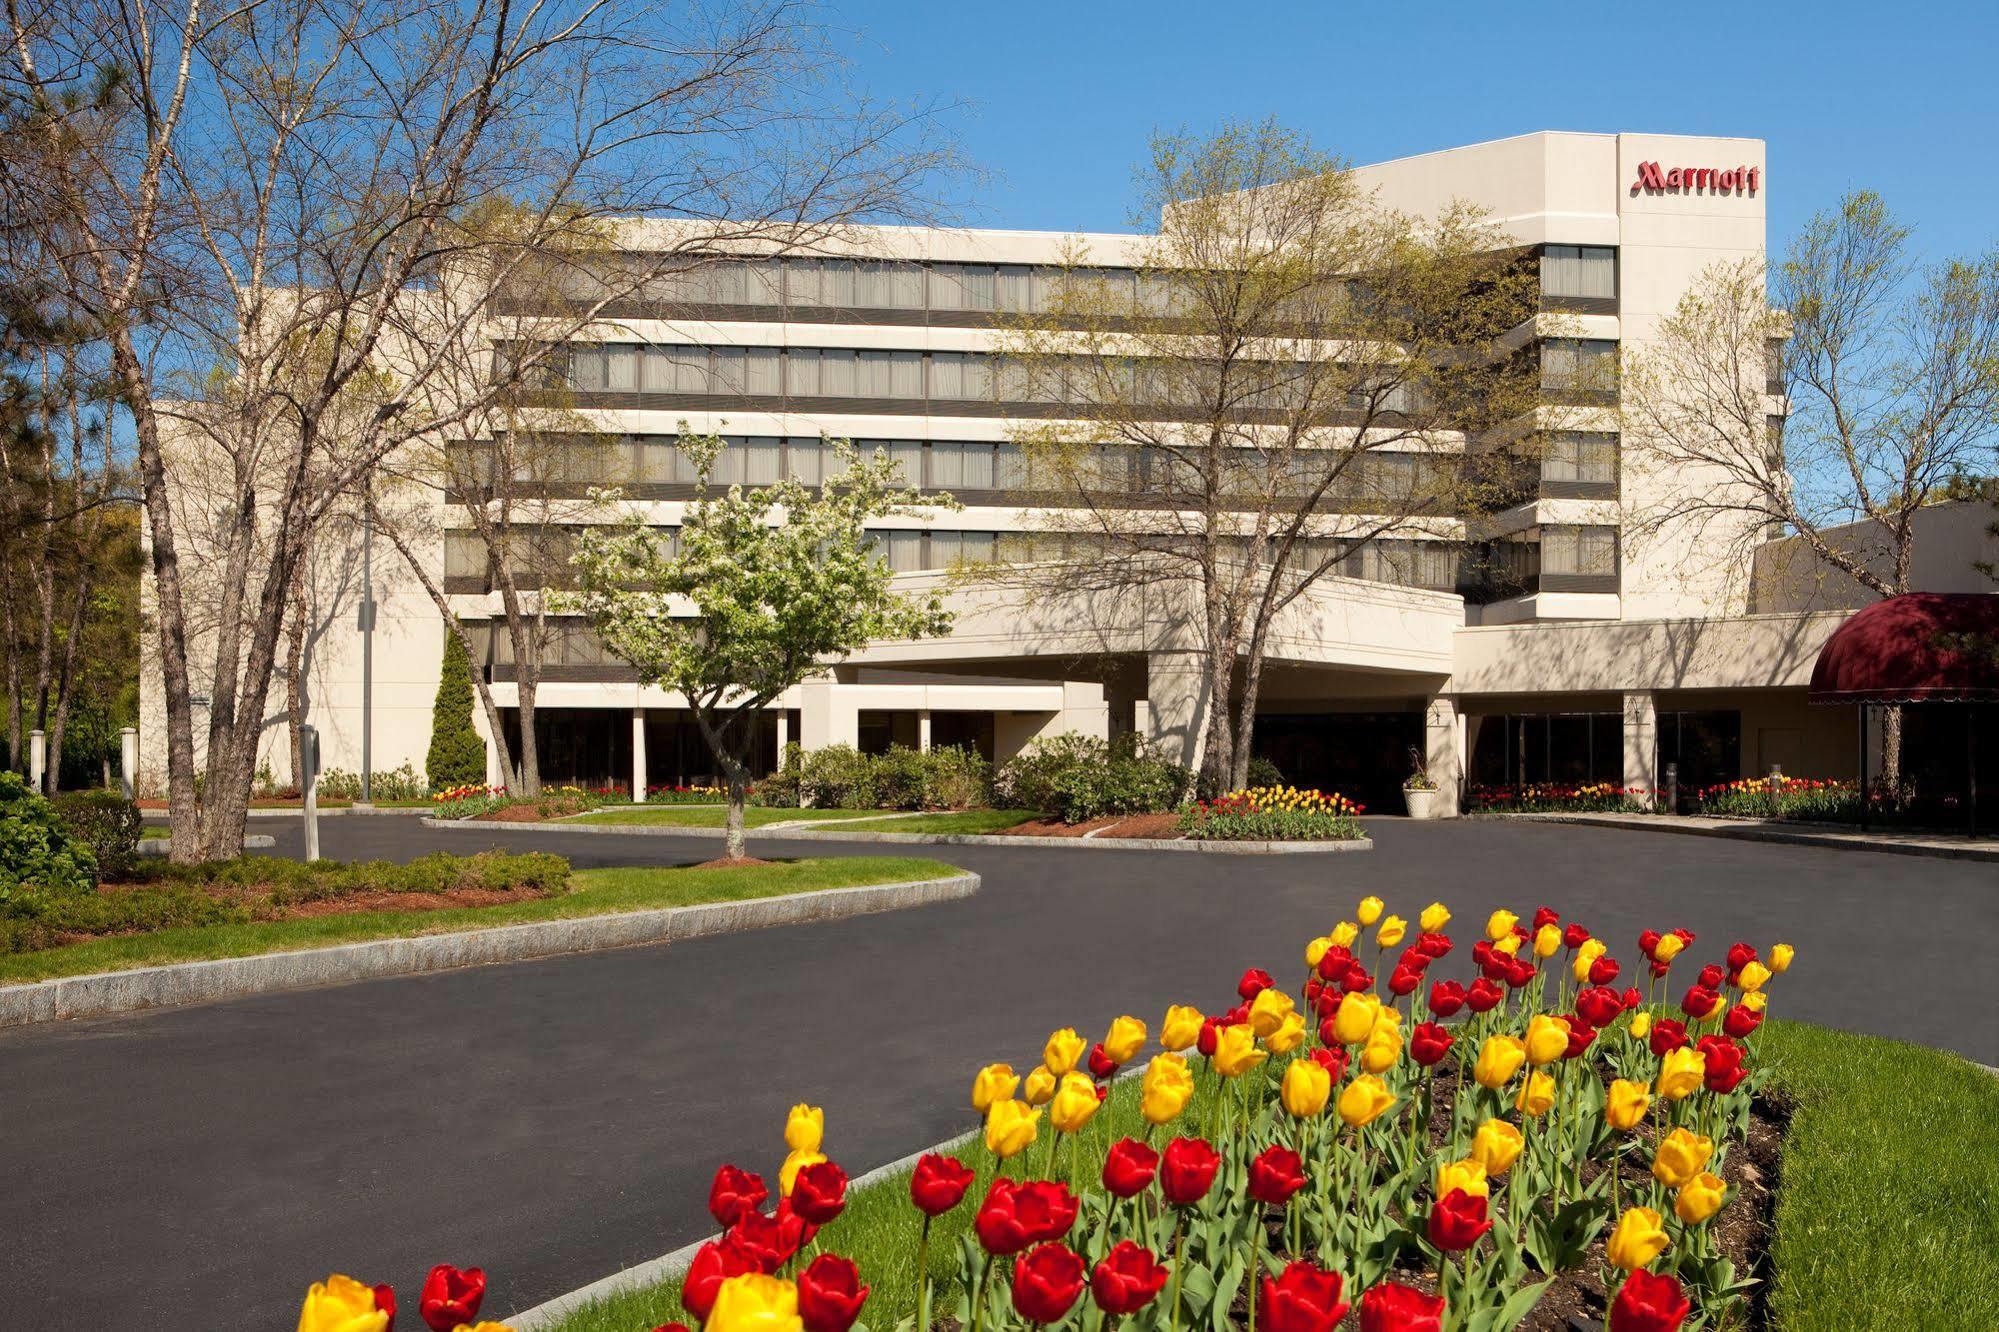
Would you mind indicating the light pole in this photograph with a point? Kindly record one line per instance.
(367, 622)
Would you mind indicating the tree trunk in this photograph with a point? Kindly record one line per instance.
(1245, 719)
(530, 764)
(733, 843)
(1891, 751)
(59, 724)
(15, 758)
(295, 677)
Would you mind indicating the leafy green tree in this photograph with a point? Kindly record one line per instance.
(457, 755)
(766, 588)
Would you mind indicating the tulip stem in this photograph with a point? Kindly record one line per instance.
(923, 1277)
(1255, 1260)
(1179, 1265)
(979, 1298)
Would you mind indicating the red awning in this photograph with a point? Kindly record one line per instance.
(1922, 647)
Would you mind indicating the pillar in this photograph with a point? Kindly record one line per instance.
(1443, 750)
(38, 759)
(1176, 711)
(638, 756)
(923, 730)
(783, 734)
(825, 717)
(128, 762)
(1641, 745)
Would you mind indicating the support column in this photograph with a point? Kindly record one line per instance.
(783, 734)
(128, 762)
(38, 759)
(1641, 745)
(1443, 747)
(1176, 696)
(638, 756)
(923, 730)
(824, 718)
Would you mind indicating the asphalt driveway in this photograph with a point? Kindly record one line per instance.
(555, 1121)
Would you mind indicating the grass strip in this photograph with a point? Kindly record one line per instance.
(714, 816)
(958, 821)
(594, 892)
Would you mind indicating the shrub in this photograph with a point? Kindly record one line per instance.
(107, 823)
(1262, 772)
(403, 783)
(1273, 814)
(457, 755)
(841, 777)
(36, 850)
(1076, 778)
(780, 790)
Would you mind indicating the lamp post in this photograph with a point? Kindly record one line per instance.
(367, 626)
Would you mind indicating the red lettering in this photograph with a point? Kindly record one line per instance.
(1673, 179)
(1753, 173)
(1650, 177)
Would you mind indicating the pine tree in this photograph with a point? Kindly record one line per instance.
(457, 754)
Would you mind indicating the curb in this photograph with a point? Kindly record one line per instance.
(160, 846)
(795, 834)
(183, 983)
(295, 812)
(1780, 836)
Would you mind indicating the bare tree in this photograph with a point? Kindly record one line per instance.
(1290, 375)
(1831, 408)
(319, 207)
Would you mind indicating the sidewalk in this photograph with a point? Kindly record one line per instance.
(1944, 845)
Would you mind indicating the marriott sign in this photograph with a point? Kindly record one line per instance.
(1656, 179)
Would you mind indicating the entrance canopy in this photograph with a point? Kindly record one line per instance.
(1922, 647)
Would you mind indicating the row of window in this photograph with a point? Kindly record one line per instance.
(1583, 365)
(1588, 272)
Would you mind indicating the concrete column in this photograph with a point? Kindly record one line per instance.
(923, 730)
(1443, 752)
(1177, 701)
(38, 759)
(783, 733)
(128, 762)
(1085, 711)
(1641, 744)
(825, 718)
(638, 756)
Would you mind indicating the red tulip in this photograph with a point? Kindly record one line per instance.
(1724, 1064)
(1668, 1035)
(1711, 976)
(1129, 1167)
(1254, 982)
(733, 1193)
(1603, 971)
(1648, 943)
(1483, 996)
(1632, 998)
(1046, 1282)
(1520, 973)
(1275, 1175)
(1414, 958)
(819, 1191)
(1429, 1043)
(1391, 1307)
(671, 1327)
(1546, 916)
(1649, 1303)
(1187, 1170)
(1741, 1021)
(1333, 962)
(1210, 1035)
(830, 1294)
(939, 1183)
(1446, 997)
(1740, 955)
(1599, 1006)
(770, 1240)
(1700, 1001)
(1686, 937)
(1357, 978)
(714, 1263)
(1306, 1298)
(1101, 1064)
(1332, 1057)
(1015, 1215)
(1313, 989)
(1403, 981)
(1581, 1033)
(450, 1297)
(385, 1302)
(1457, 1220)
(1434, 946)
(1127, 1279)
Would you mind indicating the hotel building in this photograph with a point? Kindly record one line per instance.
(1605, 655)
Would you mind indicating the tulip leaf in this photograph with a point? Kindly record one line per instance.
(1512, 1313)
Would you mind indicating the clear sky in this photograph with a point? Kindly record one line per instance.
(1060, 95)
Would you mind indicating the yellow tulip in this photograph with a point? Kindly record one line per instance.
(1353, 1022)
(1269, 1009)
(1591, 950)
(1500, 924)
(1181, 1028)
(1392, 932)
(755, 1303)
(1508, 946)
(1040, 1088)
(1010, 1127)
(1638, 1239)
(1435, 916)
(1679, 1157)
(1306, 1088)
(341, 1304)
(1317, 949)
(1125, 1039)
(1288, 1036)
(995, 1082)
(1755, 1001)
(1468, 1175)
(1547, 1039)
(1496, 1146)
(1369, 911)
(1780, 958)
(1364, 1100)
(1547, 941)
(1682, 1074)
(1236, 1052)
(1668, 947)
(1074, 1104)
(1165, 1089)
(804, 1128)
(1063, 1051)
(1498, 1060)
(1537, 1095)
(796, 1161)
(1752, 977)
(1345, 933)
(1699, 1198)
(1383, 1049)
(1641, 1025)
(1627, 1103)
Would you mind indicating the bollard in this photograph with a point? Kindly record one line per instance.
(128, 762)
(1672, 788)
(38, 761)
(308, 743)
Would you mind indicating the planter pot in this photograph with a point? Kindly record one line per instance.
(1422, 804)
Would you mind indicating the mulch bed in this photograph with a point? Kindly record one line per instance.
(528, 813)
(1163, 826)
(740, 862)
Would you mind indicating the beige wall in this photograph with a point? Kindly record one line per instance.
(1950, 541)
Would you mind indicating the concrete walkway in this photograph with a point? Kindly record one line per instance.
(1891, 841)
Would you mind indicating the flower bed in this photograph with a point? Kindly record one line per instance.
(1805, 798)
(1560, 1148)
(554, 802)
(673, 794)
(1272, 814)
(1556, 798)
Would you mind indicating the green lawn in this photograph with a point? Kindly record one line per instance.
(961, 821)
(712, 816)
(1887, 1201)
(595, 892)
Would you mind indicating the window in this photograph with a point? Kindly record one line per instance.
(1579, 455)
(1590, 551)
(960, 377)
(890, 374)
(464, 556)
(1585, 271)
(962, 286)
(888, 286)
(763, 372)
(1579, 364)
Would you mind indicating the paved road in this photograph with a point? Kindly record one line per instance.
(557, 1120)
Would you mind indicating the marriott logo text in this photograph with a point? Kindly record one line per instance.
(1655, 179)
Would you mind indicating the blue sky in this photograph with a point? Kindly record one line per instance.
(1061, 97)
